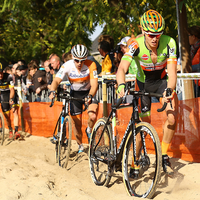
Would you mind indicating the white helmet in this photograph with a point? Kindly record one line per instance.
(79, 52)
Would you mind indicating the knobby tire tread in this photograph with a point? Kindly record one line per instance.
(148, 194)
(107, 179)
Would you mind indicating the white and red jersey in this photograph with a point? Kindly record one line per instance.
(80, 81)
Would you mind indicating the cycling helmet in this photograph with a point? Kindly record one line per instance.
(152, 21)
(79, 52)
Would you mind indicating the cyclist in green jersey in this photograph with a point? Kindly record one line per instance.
(153, 53)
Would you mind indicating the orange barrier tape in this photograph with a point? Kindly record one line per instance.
(40, 120)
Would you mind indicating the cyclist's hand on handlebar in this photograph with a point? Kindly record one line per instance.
(168, 96)
(52, 94)
(88, 99)
(121, 90)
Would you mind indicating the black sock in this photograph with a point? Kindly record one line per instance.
(16, 129)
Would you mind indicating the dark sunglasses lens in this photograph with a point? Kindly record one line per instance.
(153, 36)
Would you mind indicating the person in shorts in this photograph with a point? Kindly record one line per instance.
(82, 74)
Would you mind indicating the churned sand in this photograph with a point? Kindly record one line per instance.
(28, 171)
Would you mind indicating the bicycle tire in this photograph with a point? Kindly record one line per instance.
(2, 129)
(150, 165)
(57, 134)
(64, 145)
(100, 172)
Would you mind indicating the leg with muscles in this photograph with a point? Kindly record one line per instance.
(92, 115)
(168, 132)
(8, 121)
(76, 125)
(16, 121)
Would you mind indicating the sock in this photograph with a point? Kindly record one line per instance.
(81, 147)
(16, 129)
(10, 128)
(89, 130)
(133, 166)
(165, 147)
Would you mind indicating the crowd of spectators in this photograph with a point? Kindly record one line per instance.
(36, 78)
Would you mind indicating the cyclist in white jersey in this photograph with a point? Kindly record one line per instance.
(82, 74)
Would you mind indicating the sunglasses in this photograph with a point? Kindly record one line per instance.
(157, 35)
(78, 61)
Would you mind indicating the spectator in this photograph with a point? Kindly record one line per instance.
(21, 62)
(24, 73)
(7, 70)
(118, 52)
(108, 39)
(194, 40)
(38, 80)
(108, 58)
(56, 64)
(49, 76)
(66, 56)
(96, 62)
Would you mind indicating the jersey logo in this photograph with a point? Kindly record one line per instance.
(172, 50)
(95, 74)
(145, 57)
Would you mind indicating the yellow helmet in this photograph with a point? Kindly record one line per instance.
(152, 21)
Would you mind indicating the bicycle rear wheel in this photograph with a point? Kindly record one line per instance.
(100, 172)
(150, 164)
(2, 129)
(64, 144)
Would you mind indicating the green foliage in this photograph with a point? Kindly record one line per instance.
(36, 28)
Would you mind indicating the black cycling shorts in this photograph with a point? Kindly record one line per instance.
(5, 97)
(76, 107)
(157, 86)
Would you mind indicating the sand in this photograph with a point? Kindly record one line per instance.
(28, 172)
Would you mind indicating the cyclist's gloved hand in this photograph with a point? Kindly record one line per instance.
(120, 89)
(89, 99)
(11, 102)
(169, 95)
(52, 94)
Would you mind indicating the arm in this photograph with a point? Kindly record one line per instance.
(120, 76)
(54, 86)
(12, 92)
(94, 86)
(172, 75)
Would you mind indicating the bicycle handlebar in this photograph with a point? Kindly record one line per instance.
(109, 81)
(142, 93)
(69, 98)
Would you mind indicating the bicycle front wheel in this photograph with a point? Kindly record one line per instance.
(101, 148)
(145, 183)
(2, 129)
(64, 144)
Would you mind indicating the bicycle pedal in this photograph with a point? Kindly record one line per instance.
(109, 157)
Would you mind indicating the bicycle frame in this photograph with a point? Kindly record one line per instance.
(117, 157)
(63, 114)
(116, 160)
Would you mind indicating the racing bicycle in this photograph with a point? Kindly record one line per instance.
(62, 134)
(105, 156)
